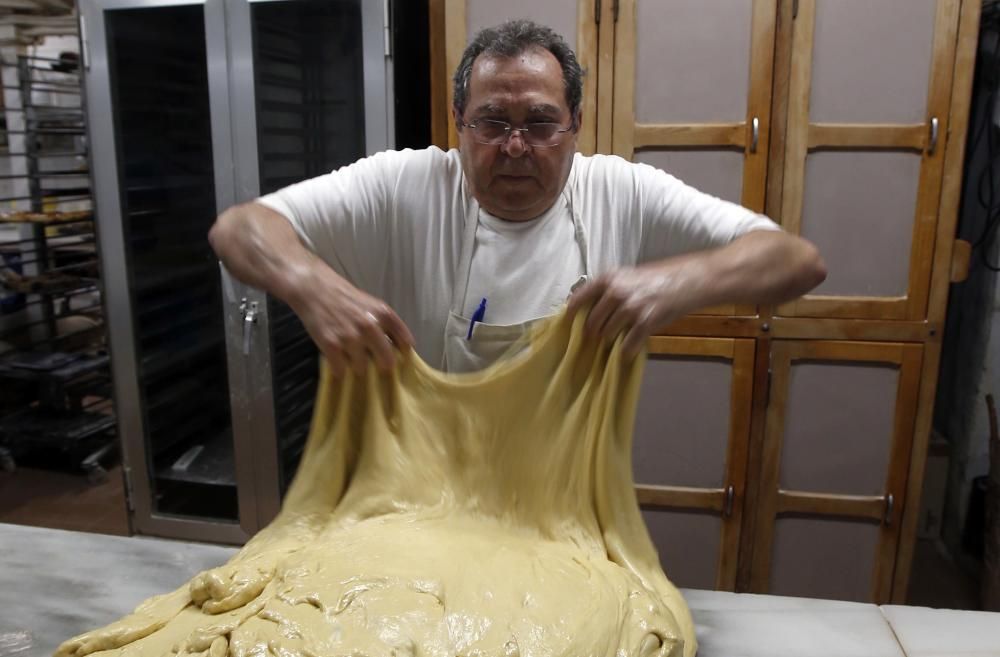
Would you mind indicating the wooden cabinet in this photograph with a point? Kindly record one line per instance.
(782, 449)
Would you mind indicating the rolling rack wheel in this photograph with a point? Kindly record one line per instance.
(96, 474)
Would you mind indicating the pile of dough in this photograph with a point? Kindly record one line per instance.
(489, 514)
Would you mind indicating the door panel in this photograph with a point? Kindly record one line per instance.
(692, 95)
(863, 230)
(689, 454)
(836, 412)
(857, 77)
(688, 543)
(883, 111)
(824, 558)
(670, 38)
(150, 125)
(719, 173)
(311, 93)
(682, 424)
(836, 452)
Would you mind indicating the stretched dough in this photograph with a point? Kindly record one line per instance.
(489, 514)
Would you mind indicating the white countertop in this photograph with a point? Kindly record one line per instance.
(39, 607)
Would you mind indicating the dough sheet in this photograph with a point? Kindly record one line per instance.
(489, 514)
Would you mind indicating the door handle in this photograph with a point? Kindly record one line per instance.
(932, 143)
(890, 502)
(754, 134)
(727, 506)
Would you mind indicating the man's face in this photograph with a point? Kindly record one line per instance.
(516, 181)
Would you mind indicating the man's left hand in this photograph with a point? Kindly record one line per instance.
(636, 300)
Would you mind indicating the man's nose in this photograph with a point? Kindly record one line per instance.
(514, 145)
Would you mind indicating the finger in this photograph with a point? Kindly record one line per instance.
(338, 366)
(356, 352)
(634, 341)
(378, 344)
(638, 335)
(397, 330)
(583, 297)
(600, 314)
(621, 320)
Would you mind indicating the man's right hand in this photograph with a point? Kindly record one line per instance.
(260, 248)
(349, 326)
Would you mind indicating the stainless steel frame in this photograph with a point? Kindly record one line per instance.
(255, 370)
(117, 300)
(234, 142)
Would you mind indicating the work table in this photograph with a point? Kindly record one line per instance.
(46, 575)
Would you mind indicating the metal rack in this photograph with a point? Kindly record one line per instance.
(55, 389)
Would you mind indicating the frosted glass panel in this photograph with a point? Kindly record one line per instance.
(692, 60)
(715, 172)
(859, 209)
(871, 61)
(838, 428)
(682, 424)
(833, 559)
(688, 544)
(560, 15)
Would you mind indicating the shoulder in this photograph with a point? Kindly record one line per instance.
(426, 166)
(616, 171)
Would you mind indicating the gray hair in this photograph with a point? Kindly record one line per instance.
(511, 39)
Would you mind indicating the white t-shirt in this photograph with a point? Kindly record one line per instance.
(524, 269)
(393, 224)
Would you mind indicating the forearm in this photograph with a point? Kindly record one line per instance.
(259, 247)
(762, 267)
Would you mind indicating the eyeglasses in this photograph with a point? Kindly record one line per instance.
(538, 135)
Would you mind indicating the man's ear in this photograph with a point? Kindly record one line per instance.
(457, 118)
(578, 120)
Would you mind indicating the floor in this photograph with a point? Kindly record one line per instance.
(937, 581)
(62, 500)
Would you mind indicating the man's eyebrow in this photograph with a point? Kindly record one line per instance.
(489, 108)
(543, 109)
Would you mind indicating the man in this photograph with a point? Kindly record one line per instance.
(456, 253)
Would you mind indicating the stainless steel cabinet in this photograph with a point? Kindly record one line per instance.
(192, 107)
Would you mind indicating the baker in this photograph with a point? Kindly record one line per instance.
(456, 253)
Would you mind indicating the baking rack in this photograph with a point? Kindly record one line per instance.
(55, 387)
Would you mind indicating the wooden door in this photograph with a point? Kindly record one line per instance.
(836, 454)
(868, 120)
(575, 20)
(690, 453)
(692, 94)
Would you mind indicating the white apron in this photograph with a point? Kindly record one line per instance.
(489, 341)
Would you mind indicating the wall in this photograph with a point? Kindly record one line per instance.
(971, 355)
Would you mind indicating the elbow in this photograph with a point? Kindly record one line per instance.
(812, 269)
(218, 234)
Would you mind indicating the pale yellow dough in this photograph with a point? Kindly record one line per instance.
(478, 515)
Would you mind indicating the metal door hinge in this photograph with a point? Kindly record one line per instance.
(129, 491)
(387, 26)
(767, 389)
(597, 11)
(795, 9)
(84, 44)
(614, 11)
(248, 311)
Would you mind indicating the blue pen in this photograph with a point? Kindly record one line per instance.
(477, 317)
